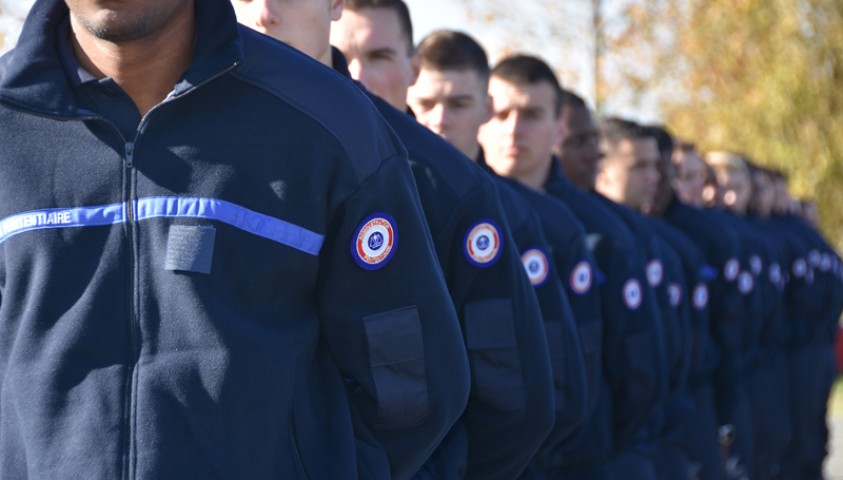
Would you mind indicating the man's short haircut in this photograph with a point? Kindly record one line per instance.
(723, 160)
(572, 100)
(614, 130)
(397, 6)
(448, 50)
(662, 136)
(685, 146)
(528, 70)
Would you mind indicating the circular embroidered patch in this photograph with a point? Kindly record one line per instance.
(581, 278)
(825, 263)
(815, 258)
(374, 242)
(700, 296)
(632, 295)
(756, 264)
(536, 266)
(800, 268)
(655, 273)
(746, 282)
(731, 269)
(483, 244)
(775, 274)
(675, 292)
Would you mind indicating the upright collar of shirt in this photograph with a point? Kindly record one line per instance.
(34, 77)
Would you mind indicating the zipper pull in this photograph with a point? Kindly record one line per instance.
(130, 154)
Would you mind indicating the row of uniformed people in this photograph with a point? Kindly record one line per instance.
(593, 349)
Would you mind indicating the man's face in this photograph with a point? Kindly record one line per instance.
(580, 147)
(453, 104)
(763, 193)
(735, 189)
(629, 173)
(690, 177)
(374, 42)
(304, 24)
(520, 136)
(125, 21)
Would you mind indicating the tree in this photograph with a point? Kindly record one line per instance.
(762, 77)
(759, 77)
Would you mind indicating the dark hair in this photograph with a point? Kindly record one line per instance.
(572, 100)
(684, 146)
(444, 50)
(528, 70)
(614, 130)
(662, 136)
(397, 6)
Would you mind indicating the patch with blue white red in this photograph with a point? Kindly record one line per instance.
(815, 258)
(536, 265)
(482, 244)
(746, 282)
(825, 263)
(731, 270)
(700, 296)
(776, 274)
(632, 294)
(375, 241)
(675, 293)
(756, 264)
(800, 268)
(581, 278)
(655, 273)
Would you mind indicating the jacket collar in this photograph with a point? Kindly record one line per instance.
(33, 77)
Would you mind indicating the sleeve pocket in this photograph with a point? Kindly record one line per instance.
(591, 338)
(497, 379)
(642, 366)
(396, 357)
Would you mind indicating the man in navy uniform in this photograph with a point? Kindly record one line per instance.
(518, 143)
(451, 98)
(215, 261)
(509, 412)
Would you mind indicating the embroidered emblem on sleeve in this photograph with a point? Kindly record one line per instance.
(374, 242)
(632, 295)
(746, 283)
(675, 292)
(731, 270)
(700, 296)
(825, 263)
(655, 273)
(581, 278)
(483, 244)
(536, 265)
(756, 264)
(800, 268)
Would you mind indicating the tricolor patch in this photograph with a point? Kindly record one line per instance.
(536, 265)
(483, 244)
(746, 282)
(675, 293)
(655, 273)
(581, 278)
(756, 264)
(731, 270)
(700, 296)
(800, 268)
(632, 294)
(374, 242)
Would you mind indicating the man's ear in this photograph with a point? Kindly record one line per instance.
(337, 6)
(415, 67)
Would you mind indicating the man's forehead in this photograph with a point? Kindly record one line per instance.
(534, 95)
(450, 81)
(577, 119)
(378, 27)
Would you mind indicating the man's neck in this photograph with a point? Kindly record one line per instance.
(536, 179)
(148, 68)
